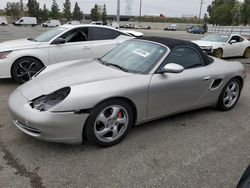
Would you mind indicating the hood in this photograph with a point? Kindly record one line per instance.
(79, 73)
(18, 44)
(206, 43)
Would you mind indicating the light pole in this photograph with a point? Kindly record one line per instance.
(202, 2)
(118, 11)
(140, 11)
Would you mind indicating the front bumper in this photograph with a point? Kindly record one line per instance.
(62, 127)
(5, 67)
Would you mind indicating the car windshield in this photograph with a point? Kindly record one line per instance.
(216, 38)
(48, 35)
(135, 56)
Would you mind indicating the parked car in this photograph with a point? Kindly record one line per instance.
(21, 59)
(134, 33)
(171, 27)
(3, 21)
(96, 23)
(138, 81)
(224, 45)
(196, 30)
(32, 21)
(51, 23)
(73, 22)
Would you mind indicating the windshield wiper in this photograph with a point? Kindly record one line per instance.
(31, 39)
(112, 64)
(118, 66)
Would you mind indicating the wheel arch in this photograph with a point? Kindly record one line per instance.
(240, 79)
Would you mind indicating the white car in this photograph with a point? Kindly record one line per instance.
(26, 21)
(223, 45)
(74, 22)
(51, 23)
(3, 21)
(22, 59)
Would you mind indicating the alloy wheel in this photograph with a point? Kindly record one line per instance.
(231, 94)
(111, 123)
(26, 69)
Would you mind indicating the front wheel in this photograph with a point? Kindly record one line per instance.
(218, 53)
(229, 95)
(24, 68)
(247, 53)
(109, 122)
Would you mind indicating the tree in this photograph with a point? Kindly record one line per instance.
(67, 10)
(95, 14)
(44, 13)
(77, 13)
(222, 12)
(104, 15)
(55, 14)
(13, 9)
(33, 8)
(245, 12)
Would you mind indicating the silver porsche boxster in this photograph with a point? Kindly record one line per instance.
(139, 81)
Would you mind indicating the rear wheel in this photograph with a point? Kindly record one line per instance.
(218, 53)
(230, 95)
(247, 53)
(109, 123)
(24, 68)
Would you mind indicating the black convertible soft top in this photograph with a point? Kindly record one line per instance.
(173, 43)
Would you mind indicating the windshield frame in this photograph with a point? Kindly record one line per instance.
(58, 35)
(151, 68)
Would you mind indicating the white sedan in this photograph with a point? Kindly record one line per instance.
(223, 45)
(22, 59)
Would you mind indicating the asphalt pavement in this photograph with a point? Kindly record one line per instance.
(200, 149)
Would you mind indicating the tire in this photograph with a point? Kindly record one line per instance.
(24, 68)
(247, 53)
(218, 53)
(109, 113)
(229, 95)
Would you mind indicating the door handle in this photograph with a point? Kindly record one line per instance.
(85, 48)
(206, 78)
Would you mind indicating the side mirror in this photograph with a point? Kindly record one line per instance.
(172, 68)
(232, 41)
(59, 41)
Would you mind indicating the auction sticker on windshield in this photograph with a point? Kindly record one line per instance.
(141, 52)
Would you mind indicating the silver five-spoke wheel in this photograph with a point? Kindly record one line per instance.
(111, 123)
(231, 94)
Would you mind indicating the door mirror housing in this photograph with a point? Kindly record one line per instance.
(232, 41)
(172, 68)
(59, 41)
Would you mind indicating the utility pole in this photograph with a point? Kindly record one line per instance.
(140, 11)
(202, 2)
(118, 11)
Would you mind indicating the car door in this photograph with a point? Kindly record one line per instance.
(76, 46)
(175, 92)
(233, 49)
(105, 39)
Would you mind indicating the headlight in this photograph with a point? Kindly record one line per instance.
(45, 102)
(4, 54)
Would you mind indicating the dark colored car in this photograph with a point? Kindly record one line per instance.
(196, 30)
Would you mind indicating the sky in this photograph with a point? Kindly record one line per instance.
(169, 8)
